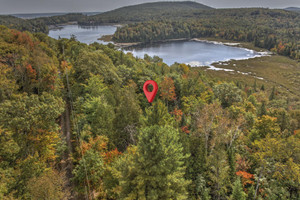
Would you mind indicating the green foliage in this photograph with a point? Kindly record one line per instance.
(238, 193)
(264, 126)
(228, 94)
(127, 119)
(99, 115)
(272, 95)
(145, 12)
(218, 174)
(256, 25)
(251, 193)
(89, 171)
(156, 170)
(157, 114)
(32, 119)
(263, 109)
(67, 106)
(22, 24)
(201, 189)
(97, 63)
(48, 185)
(279, 155)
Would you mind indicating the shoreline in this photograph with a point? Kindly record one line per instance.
(217, 65)
(206, 40)
(60, 26)
(133, 44)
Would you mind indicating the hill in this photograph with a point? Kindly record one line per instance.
(294, 9)
(146, 12)
(39, 15)
(128, 14)
(22, 24)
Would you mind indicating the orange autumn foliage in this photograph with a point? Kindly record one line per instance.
(280, 47)
(111, 155)
(31, 72)
(185, 129)
(247, 178)
(22, 38)
(99, 143)
(167, 89)
(177, 113)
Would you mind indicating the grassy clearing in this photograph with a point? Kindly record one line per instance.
(278, 71)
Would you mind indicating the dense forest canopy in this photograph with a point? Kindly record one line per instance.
(275, 30)
(22, 24)
(142, 12)
(75, 124)
(146, 12)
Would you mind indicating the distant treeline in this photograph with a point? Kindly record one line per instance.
(129, 14)
(276, 30)
(22, 24)
(39, 24)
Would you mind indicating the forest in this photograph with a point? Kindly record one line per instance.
(129, 14)
(275, 30)
(75, 124)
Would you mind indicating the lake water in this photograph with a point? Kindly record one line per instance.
(195, 53)
(85, 34)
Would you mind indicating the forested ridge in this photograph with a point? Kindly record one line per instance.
(275, 30)
(272, 29)
(75, 124)
(22, 24)
(128, 14)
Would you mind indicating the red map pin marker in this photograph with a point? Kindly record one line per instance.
(150, 95)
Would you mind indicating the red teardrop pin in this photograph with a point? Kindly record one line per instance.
(150, 95)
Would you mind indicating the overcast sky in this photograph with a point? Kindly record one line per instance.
(40, 6)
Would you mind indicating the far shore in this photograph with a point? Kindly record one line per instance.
(208, 40)
(59, 26)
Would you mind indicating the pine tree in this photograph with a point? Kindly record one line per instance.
(156, 170)
(251, 193)
(157, 114)
(272, 95)
(231, 162)
(263, 109)
(238, 193)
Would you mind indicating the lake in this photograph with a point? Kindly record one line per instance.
(193, 52)
(84, 34)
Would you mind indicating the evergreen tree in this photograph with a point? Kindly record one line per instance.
(231, 162)
(201, 189)
(156, 170)
(157, 114)
(228, 94)
(272, 95)
(238, 193)
(263, 109)
(251, 193)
